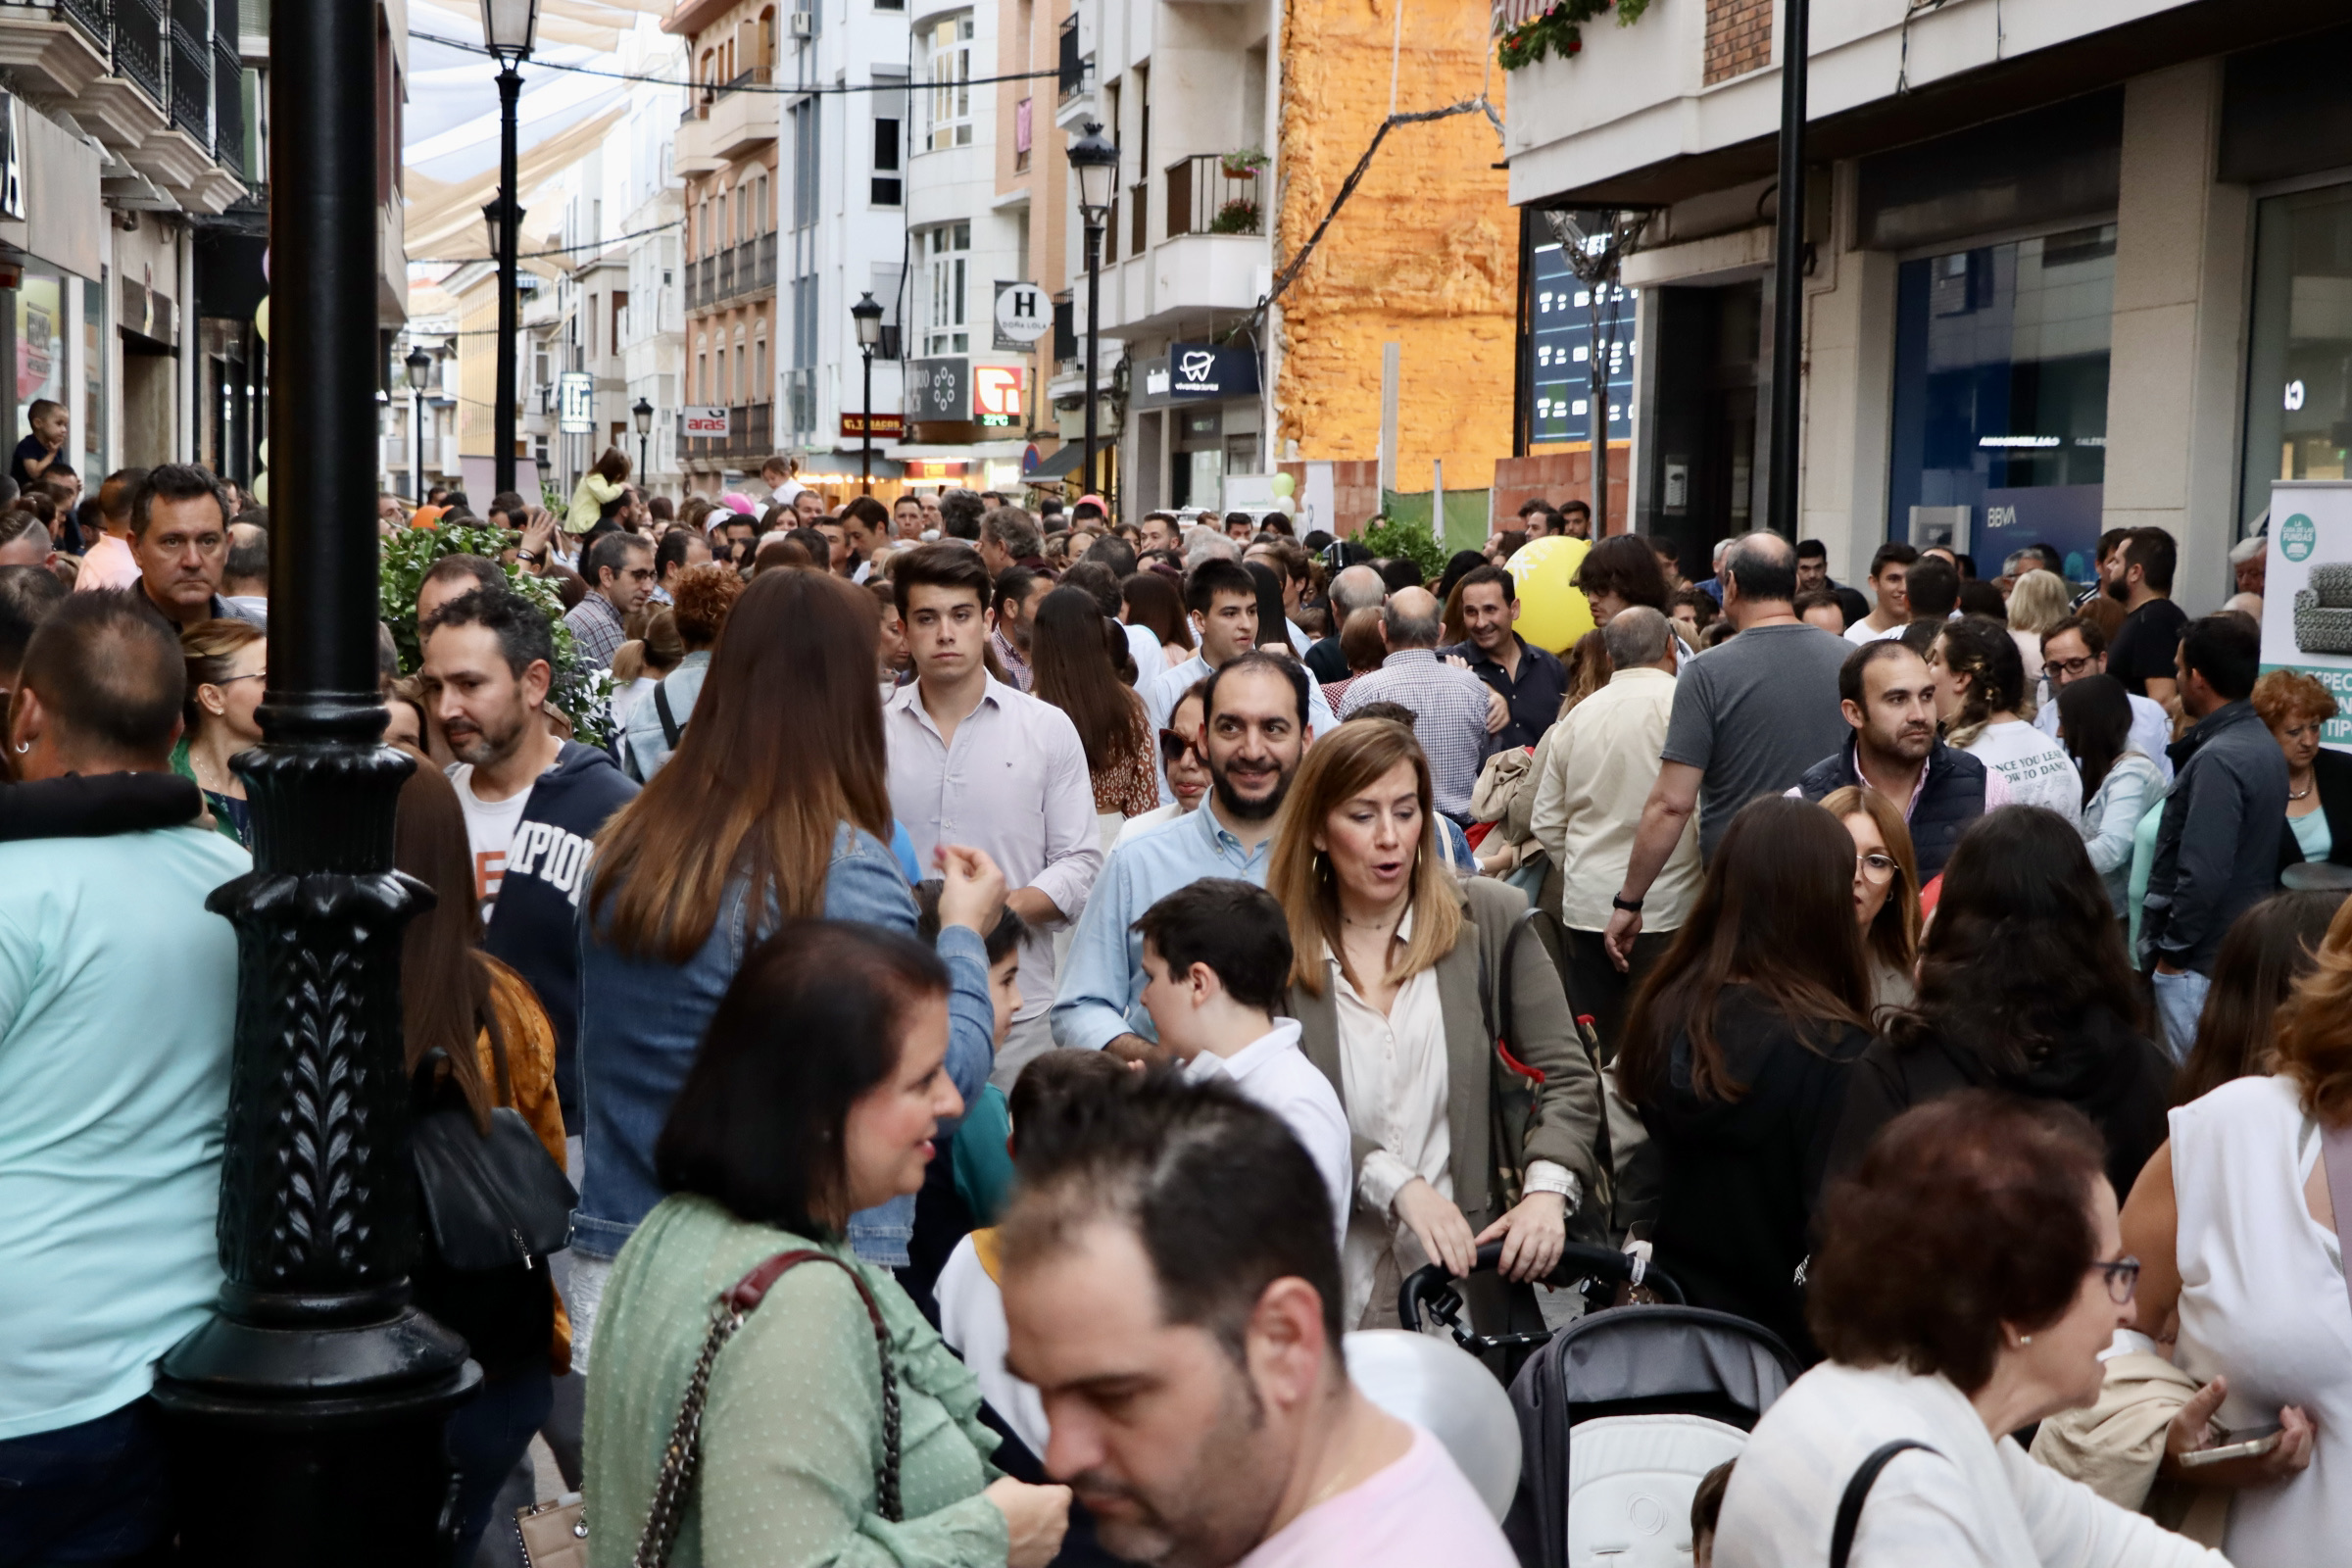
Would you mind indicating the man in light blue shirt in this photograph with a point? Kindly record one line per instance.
(117, 995)
(1255, 729)
(1221, 597)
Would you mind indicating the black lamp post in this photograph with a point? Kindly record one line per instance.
(643, 412)
(420, 369)
(1789, 276)
(508, 28)
(868, 315)
(1096, 162)
(305, 1417)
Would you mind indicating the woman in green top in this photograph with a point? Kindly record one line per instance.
(816, 1092)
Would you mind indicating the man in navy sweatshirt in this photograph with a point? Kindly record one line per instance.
(533, 803)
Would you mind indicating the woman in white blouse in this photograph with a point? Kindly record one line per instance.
(1969, 1274)
(1395, 981)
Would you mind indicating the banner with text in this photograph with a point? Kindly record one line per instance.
(2307, 591)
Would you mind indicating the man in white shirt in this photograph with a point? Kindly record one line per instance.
(975, 762)
(2075, 648)
(1172, 1292)
(1216, 966)
(1891, 608)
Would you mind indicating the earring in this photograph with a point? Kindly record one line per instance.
(22, 746)
(2024, 1339)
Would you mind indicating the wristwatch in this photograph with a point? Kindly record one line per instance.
(1618, 901)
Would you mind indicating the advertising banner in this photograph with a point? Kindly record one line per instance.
(2307, 591)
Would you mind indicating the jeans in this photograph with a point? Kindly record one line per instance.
(95, 1492)
(2179, 999)
(485, 1436)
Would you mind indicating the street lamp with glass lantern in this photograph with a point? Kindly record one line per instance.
(508, 28)
(868, 315)
(1096, 162)
(420, 372)
(643, 412)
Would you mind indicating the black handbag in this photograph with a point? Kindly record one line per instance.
(491, 1201)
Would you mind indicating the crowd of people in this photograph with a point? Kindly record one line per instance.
(1016, 990)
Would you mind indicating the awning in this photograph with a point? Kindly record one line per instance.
(1062, 463)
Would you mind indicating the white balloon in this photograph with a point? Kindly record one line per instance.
(1422, 1379)
(260, 489)
(263, 452)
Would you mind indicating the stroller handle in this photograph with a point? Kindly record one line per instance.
(1431, 1290)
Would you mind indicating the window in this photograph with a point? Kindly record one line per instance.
(2000, 394)
(806, 167)
(762, 215)
(889, 117)
(620, 308)
(1020, 136)
(760, 367)
(947, 249)
(951, 82)
(2299, 360)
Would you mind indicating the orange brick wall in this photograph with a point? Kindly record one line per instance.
(1559, 478)
(1739, 38)
(1425, 254)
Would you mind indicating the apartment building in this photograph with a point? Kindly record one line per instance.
(2070, 268)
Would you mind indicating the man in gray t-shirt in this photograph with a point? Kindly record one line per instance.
(1752, 714)
(1750, 717)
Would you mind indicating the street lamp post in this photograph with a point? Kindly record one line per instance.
(1789, 276)
(304, 1419)
(508, 28)
(643, 413)
(868, 315)
(420, 369)
(1096, 162)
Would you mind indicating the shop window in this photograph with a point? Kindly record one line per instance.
(2299, 352)
(947, 249)
(2000, 396)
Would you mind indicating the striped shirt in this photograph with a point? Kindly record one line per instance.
(1449, 718)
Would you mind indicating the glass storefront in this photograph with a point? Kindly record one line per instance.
(2299, 349)
(2001, 397)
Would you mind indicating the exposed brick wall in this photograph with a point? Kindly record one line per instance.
(1562, 476)
(1425, 254)
(1739, 38)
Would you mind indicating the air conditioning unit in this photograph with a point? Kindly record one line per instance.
(803, 24)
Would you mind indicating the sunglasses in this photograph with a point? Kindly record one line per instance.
(1173, 744)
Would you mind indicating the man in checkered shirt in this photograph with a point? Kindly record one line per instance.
(1448, 702)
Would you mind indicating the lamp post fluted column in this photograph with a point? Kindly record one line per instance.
(1789, 278)
(506, 221)
(304, 1418)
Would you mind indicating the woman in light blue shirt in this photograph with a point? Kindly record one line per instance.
(2118, 780)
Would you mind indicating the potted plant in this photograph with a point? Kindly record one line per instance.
(1242, 164)
(1236, 217)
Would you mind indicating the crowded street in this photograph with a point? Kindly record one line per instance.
(1437, 848)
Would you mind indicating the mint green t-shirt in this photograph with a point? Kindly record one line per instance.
(118, 994)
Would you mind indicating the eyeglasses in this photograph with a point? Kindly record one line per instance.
(2071, 668)
(2123, 1279)
(1173, 744)
(1876, 867)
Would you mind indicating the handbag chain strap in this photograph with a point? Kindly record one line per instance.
(682, 1458)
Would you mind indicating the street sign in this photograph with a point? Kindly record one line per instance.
(576, 403)
(1022, 316)
(706, 422)
(886, 426)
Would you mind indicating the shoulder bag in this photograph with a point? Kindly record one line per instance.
(562, 1523)
(1511, 1107)
(671, 729)
(1857, 1493)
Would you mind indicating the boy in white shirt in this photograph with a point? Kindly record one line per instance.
(1216, 965)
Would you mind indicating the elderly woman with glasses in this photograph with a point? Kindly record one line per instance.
(1180, 758)
(1968, 1276)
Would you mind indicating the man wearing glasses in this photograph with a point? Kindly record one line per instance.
(1888, 695)
(2075, 648)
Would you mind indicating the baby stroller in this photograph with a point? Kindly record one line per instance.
(1621, 1412)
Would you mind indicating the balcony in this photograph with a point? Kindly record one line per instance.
(140, 46)
(191, 83)
(740, 122)
(694, 155)
(741, 271)
(54, 57)
(1208, 196)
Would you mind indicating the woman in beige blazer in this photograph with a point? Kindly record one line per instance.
(1397, 980)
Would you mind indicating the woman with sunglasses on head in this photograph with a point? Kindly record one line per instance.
(1181, 759)
(228, 664)
(2023, 987)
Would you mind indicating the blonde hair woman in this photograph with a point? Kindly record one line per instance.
(1397, 975)
(2037, 600)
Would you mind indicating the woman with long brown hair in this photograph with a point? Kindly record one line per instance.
(496, 1048)
(1074, 658)
(1737, 1050)
(1395, 971)
(773, 808)
(1156, 604)
(2269, 948)
(1886, 890)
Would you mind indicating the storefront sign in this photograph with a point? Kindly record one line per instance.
(997, 393)
(2066, 516)
(935, 468)
(1023, 313)
(12, 159)
(939, 390)
(2307, 592)
(1210, 370)
(576, 403)
(884, 427)
(705, 423)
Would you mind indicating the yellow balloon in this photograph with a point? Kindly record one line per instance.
(1285, 486)
(260, 489)
(260, 319)
(1552, 611)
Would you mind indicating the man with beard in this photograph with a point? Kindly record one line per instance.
(2141, 581)
(1255, 729)
(533, 803)
(1888, 694)
(1172, 1291)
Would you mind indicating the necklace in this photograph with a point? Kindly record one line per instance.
(2301, 793)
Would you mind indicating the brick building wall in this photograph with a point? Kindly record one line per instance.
(1739, 38)
(1425, 254)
